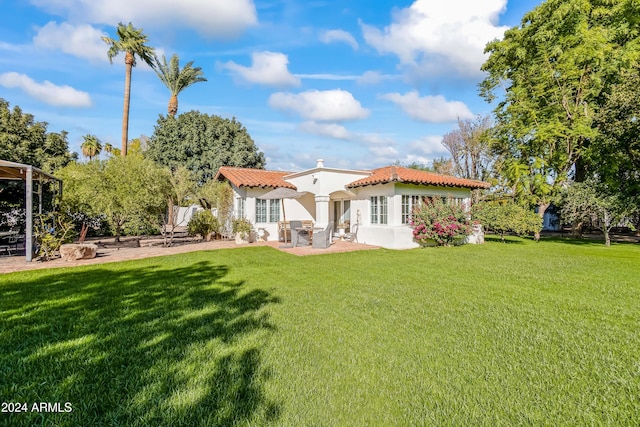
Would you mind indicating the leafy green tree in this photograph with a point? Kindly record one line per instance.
(137, 194)
(111, 149)
(219, 196)
(23, 140)
(177, 79)
(132, 42)
(615, 156)
(182, 192)
(131, 191)
(552, 72)
(202, 143)
(506, 217)
(592, 202)
(91, 146)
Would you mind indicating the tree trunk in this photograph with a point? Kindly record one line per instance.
(576, 229)
(128, 61)
(580, 170)
(606, 228)
(173, 105)
(542, 208)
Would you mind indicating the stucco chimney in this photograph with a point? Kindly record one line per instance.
(320, 163)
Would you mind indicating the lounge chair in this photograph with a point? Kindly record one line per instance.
(322, 239)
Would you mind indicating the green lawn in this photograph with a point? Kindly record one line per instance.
(498, 334)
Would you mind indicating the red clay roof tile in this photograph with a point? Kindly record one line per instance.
(244, 177)
(413, 176)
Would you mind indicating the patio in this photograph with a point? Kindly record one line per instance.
(137, 248)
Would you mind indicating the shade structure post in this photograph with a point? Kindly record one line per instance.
(284, 222)
(40, 197)
(283, 193)
(29, 208)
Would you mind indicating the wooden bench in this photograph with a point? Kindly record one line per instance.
(285, 227)
(178, 230)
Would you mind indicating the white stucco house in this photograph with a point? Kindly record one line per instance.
(380, 201)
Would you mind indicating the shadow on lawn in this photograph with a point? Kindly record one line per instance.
(150, 346)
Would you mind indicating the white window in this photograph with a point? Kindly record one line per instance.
(240, 207)
(261, 210)
(409, 203)
(267, 210)
(274, 210)
(378, 210)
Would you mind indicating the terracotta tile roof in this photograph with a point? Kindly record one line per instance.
(244, 177)
(413, 176)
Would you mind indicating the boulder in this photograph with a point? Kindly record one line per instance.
(76, 251)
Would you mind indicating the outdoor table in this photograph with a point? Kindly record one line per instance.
(308, 230)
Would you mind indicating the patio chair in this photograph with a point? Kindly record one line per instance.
(293, 225)
(5, 248)
(7, 242)
(303, 235)
(322, 239)
(352, 235)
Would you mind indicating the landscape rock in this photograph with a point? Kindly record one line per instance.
(76, 251)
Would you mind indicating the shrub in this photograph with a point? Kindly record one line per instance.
(506, 217)
(439, 221)
(51, 231)
(203, 223)
(242, 226)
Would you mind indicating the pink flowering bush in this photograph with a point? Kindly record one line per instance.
(439, 221)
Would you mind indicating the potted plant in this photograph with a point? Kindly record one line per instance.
(242, 229)
(342, 228)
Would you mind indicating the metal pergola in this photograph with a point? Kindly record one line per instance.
(10, 171)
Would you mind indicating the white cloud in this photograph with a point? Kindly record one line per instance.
(376, 139)
(267, 68)
(332, 36)
(9, 47)
(82, 41)
(427, 146)
(330, 105)
(60, 96)
(325, 76)
(430, 109)
(214, 18)
(331, 130)
(384, 152)
(374, 77)
(440, 36)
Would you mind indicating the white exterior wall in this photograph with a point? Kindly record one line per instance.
(394, 234)
(324, 185)
(297, 209)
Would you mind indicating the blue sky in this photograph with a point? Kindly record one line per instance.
(360, 84)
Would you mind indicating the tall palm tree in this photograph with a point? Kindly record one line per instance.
(131, 41)
(91, 146)
(176, 79)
